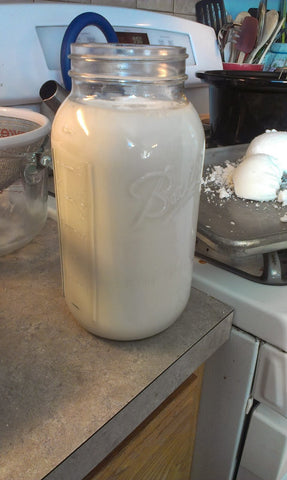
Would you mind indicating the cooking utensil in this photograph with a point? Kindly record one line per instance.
(270, 269)
(271, 21)
(283, 8)
(230, 50)
(23, 178)
(53, 94)
(253, 12)
(227, 243)
(22, 135)
(271, 40)
(261, 18)
(212, 13)
(244, 104)
(76, 26)
(227, 52)
(240, 17)
(247, 37)
(239, 227)
(226, 38)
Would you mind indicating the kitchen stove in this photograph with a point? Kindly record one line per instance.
(243, 410)
(269, 268)
(36, 45)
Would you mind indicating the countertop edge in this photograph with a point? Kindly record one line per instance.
(83, 460)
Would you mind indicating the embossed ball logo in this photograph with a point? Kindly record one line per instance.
(162, 193)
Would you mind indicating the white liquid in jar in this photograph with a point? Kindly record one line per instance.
(127, 186)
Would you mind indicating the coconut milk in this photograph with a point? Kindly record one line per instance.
(127, 186)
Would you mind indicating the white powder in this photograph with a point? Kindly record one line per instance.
(218, 182)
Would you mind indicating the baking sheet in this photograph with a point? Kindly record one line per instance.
(236, 226)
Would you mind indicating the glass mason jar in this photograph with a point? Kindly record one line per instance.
(128, 152)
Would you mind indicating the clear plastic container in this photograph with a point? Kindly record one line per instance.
(128, 153)
(23, 178)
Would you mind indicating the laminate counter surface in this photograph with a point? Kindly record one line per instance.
(68, 398)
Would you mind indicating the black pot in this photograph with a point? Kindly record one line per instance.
(243, 104)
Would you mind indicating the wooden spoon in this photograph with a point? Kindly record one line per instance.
(271, 21)
(240, 17)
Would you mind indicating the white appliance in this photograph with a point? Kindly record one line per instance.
(242, 424)
(30, 49)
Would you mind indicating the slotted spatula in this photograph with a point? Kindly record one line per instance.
(212, 13)
(247, 37)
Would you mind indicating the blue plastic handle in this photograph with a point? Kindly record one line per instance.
(71, 34)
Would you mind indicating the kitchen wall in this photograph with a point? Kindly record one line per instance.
(181, 8)
(234, 6)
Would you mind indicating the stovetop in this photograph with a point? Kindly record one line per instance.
(260, 309)
(269, 268)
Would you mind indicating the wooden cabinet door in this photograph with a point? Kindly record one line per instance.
(161, 447)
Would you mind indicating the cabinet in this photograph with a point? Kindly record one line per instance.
(161, 447)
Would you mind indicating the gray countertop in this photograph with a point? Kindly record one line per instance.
(68, 398)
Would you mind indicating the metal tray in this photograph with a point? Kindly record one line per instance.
(235, 226)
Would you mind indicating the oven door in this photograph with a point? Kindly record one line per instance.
(226, 391)
(264, 455)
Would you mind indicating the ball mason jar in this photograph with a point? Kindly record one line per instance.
(128, 152)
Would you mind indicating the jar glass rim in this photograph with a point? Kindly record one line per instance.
(130, 52)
